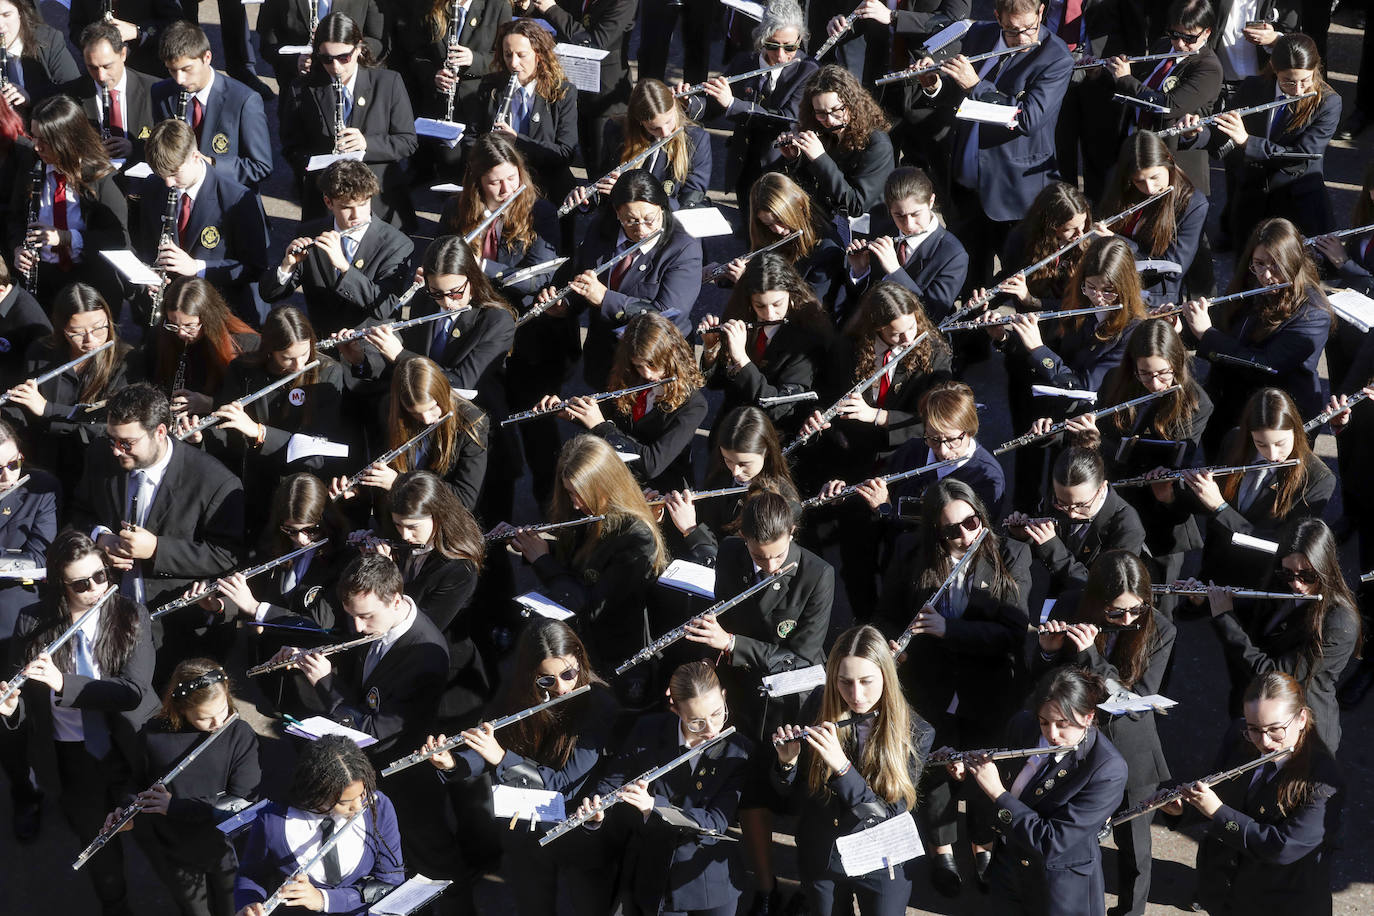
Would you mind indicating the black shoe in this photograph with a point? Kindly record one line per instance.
(28, 818)
(944, 874)
(981, 860)
(1352, 126)
(1353, 691)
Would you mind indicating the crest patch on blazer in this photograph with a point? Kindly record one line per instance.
(786, 627)
(209, 237)
(312, 594)
(143, 133)
(220, 143)
(374, 699)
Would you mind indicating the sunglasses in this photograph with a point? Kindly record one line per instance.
(779, 46)
(951, 531)
(439, 295)
(95, 579)
(1305, 576)
(1119, 613)
(307, 530)
(337, 58)
(1182, 36)
(567, 675)
(14, 465)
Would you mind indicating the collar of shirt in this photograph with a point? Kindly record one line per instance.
(683, 744)
(16, 48)
(622, 242)
(122, 84)
(942, 473)
(154, 472)
(355, 233)
(302, 829)
(204, 93)
(880, 351)
(351, 82)
(10, 297)
(389, 638)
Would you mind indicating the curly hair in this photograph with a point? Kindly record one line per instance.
(865, 117)
(880, 306)
(549, 79)
(655, 341)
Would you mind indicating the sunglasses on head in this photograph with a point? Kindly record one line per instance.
(951, 531)
(95, 579)
(1305, 576)
(547, 681)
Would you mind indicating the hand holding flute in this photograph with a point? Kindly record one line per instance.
(1338, 411)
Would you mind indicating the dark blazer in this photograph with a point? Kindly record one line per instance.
(50, 68)
(234, 130)
(1116, 526)
(1284, 14)
(472, 355)
(313, 600)
(28, 523)
(1182, 248)
(691, 191)
(23, 322)
(661, 438)
(549, 140)
(150, 16)
(935, 271)
(982, 472)
(1191, 87)
(442, 589)
(849, 182)
(757, 115)
(1049, 850)
(512, 256)
(137, 102)
(604, 24)
(785, 625)
(420, 56)
(287, 22)
(792, 363)
(670, 868)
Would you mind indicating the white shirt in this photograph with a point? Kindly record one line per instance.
(66, 721)
(123, 105)
(621, 242)
(912, 243)
(880, 350)
(203, 95)
(302, 830)
(76, 225)
(1032, 765)
(683, 741)
(970, 447)
(378, 649)
(1239, 58)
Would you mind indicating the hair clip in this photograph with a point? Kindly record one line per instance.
(208, 679)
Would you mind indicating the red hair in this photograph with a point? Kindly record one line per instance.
(11, 125)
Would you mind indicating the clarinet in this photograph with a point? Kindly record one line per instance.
(1168, 310)
(1235, 591)
(107, 10)
(943, 758)
(249, 573)
(1326, 415)
(314, 18)
(1215, 472)
(168, 237)
(820, 500)
(125, 815)
(842, 723)
(1090, 62)
(705, 494)
(59, 642)
(1038, 316)
(183, 102)
(250, 398)
(648, 776)
(632, 162)
(598, 397)
(179, 379)
(913, 72)
(4, 60)
(54, 373)
(562, 293)
(1175, 794)
(830, 412)
(503, 113)
(38, 177)
(1168, 132)
(360, 333)
(492, 536)
(104, 112)
(494, 215)
(905, 639)
(389, 456)
(1338, 234)
(271, 903)
(716, 273)
(701, 87)
(338, 115)
(1062, 425)
(297, 655)
(840, 33)
(720, 607)
(411, 760)
(454, 24)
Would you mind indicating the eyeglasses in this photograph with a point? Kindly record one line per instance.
(1108, 296)
(13, 465)
(951, 531)
(337, 58)
(697, 726)
(1182, 36)
(648, 223)
(1163, 375)
(308, 530)
(832, 114)
(1078, 507)
(94, 580)
(439, 295)
(947, 442)
(1260, 268)
(87, 332)
(1305, 576)
(547, 681)
(127, 445)
(1119, 613)
(779, 46)
(1272, 732)
(1029, 30)
(178, 328)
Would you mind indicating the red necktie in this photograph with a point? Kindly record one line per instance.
(197, 116)
(1071, 24)
(903, 252)
(641, 405)
(621, 270)
(59, 220)
(491, 243)
(1129, 229)
(116, 116)
(760, 343)
(1154, 81)
(885, 381)
(183, 218)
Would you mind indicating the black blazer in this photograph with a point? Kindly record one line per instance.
(785, 625)
(234, 131)
(792, 363)
(983, 472)
(1191, 87)
(137, 103)
(50, 68)
(1116, 526)
(28, 523)
(150, 16)
(473, 355)
(549, 143)
(691, 191)
(849, 182)
(935, 271)
(287, 22)
(419, 56)
(661, 438)
(757, 115)
(442, 589)
(604, 24)
(23, 322)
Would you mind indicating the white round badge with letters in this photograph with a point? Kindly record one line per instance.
(296, 397)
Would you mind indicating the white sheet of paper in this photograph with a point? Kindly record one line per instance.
(581, 65)
(128, 264)
(1355, 307)
(450, 132)
(752, 10)
(325, 160)
(318, 726)
(627, 457)
(244, 817)
(887, 845)
(295, 50)
(509, 801)
(858, 225)
(447, 187)
(951, 32)
(686, 576)
(1050, 391)
(1254, 543)
(466, 393)
(702, 222)
(535, 603)
(987, 113)
(409, 897)
(787, 683)
(140, 170)
(302, 446)
(24, 575)
(1131, 702)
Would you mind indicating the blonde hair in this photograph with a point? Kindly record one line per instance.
(650, 99)
(589, 467)
(784, 198)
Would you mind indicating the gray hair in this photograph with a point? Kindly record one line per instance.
(780, 14)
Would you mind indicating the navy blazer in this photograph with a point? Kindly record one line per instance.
(1191, 87)
(661, 438)
(1013, 165)
(1116, 526)
(511, 257)
(935, 271)
(234, 131)
(1182, 248)
(23, 322)
(1079, 360)
(691, 191)
(982, 472)
(28, 523)
(785, 625)
(549, 140)
(50, 68)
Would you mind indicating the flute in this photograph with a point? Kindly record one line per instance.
(1166, 311)
(544, 527)
(127, 814)
(271, 903)
(494, 215)
(299, 654)
(1038, 316)
(820, 499)
(54, 373)
(696, 497)
(1340, 234)
(1240, 361)
(717, 272)
(830, 412)
(833, 40)
(598, 397)
(559, 295)
(360, 333)
(1174, 794)
(720, 607)
(388, 456)
(59, 642)
(15, 487)
(314, 17)
(1062, 425)
(748, 326)
(1141, 103)
(632, 162)
(1233, 590)
(1367, 577)
(648, 776)
(1091, 62)
(250, 398)
(701, 87)
(842, 723)
(249, 573)
(1215, 472)
(942, 758)
(780, 399)
(1326, 415)
(1178, 129)
(905, 639)
(456, 741)
(898, 76)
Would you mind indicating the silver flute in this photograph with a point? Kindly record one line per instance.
(1242, 112)
(457, 741)
(494, 215)
(905, 639)
(704, 494)
(632, 162)
(298, 654)
(14, 487)
(780, 399)
(543, 527)
(839, 33)
(722, 270)
(1141, 103)
(1234, 591)
(1166, 311)
(820, 500)
(54, 373)
(360, 333)
(1340, 234)
(168, 236)
(1177, 793)
(455, 22)
(33, 244)
(251, 572)
(698, 88)
(529, 273)
(720, 607)
(560, 294)
(898, 76)
(1327, 415)
(19, 679)
(833, 410)
(842, 723)
(127, 814)
(270, 905)
(1089, 62)
(388, 456)
(648, 776)
(943, 758)
(1038, 316)
(1239, 361)
(250, 398)
(598, 397)
(1062, 425)
(1224, 471)
(338, 114)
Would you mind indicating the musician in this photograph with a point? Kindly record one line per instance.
(966, 655)
(841, 152)
(191, 352)
(332, 781)
(853, 780)
(658, 424)
(125, 124)
(22, 323)
(90, 698)
(421, 33)
(1245, 36)
(37, 62)
(557, 750)
(1353, 259)
(80, 209)
(1287, 818)
(1112, 629)
(139, 23)
(683, 166)
(287, 23)
(910, 246)
(1310, 640)
(220, 229)
(225, 115)
(1058, 215)
(540, 116)
(176, 822)
(760, 108)
(349, 266)
(771, 359)
(998, 171)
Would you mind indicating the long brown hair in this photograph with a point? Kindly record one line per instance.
(549, 79)
(1055, 205)
(865, 116)
(654, 340)
(1114, 573)
(791, 206)
(934, 562)
(216, 346)
(880, 306)
(771, 272)
(449, 254)
(1296, 51)
(414, 382)
(1271, 408)
(73, 145)
(1293, 781)
(119, 624)
(517, 224)
(1156, 225)
(96, 372)
(303, 498)
(748, 429)
(650, 99)
(1109, 257)
(1173, 413)
(1289, 254)
(549, 736)
(589, 467)
(1311, 539)
(417, 494)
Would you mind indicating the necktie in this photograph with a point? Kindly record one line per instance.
(441, 330)
(903, 253)
(1275, 120)
(1071, 25)
(197, 117)
(414, 562)
(59, 220)
(966, 169)
(349, 244)
(761, 343)
(1154, 81)
(348, 105)
(93, 726)
(621, 270)
(15, 69)
(332, 874)
(183, 218)
(1251, 489)
(116, 116)
(374, 655)
(492, 243)
(1262, 777)
(517, 112)
(772, 80)
(886, 381)
(641, 406)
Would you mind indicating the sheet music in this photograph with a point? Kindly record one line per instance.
(887, 845)
(1052, 391)
(319, 726)
(987, 113)
(1126, 701)
(752, 10)
(302, 446)
(789, 682)
(128, 264)
(1354, 307)
(1254, 543)
(582, 66)
(409, 897)
(325, 160)
(690, 577)
(510, 801)
(535, 603)
(702, 222)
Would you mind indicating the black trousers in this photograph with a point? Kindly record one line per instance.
(983, 237)
(1133, 858)
(194, 861)
(91, 789)
(877, 894)
(659, 19)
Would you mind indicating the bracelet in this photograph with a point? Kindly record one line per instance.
(1224, 505)
(841, 772)
(261, 437)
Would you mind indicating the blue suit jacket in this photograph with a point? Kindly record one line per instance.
(689, 192)
(27, 526)
(935, 272)
(982, 472)
(234, 132)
